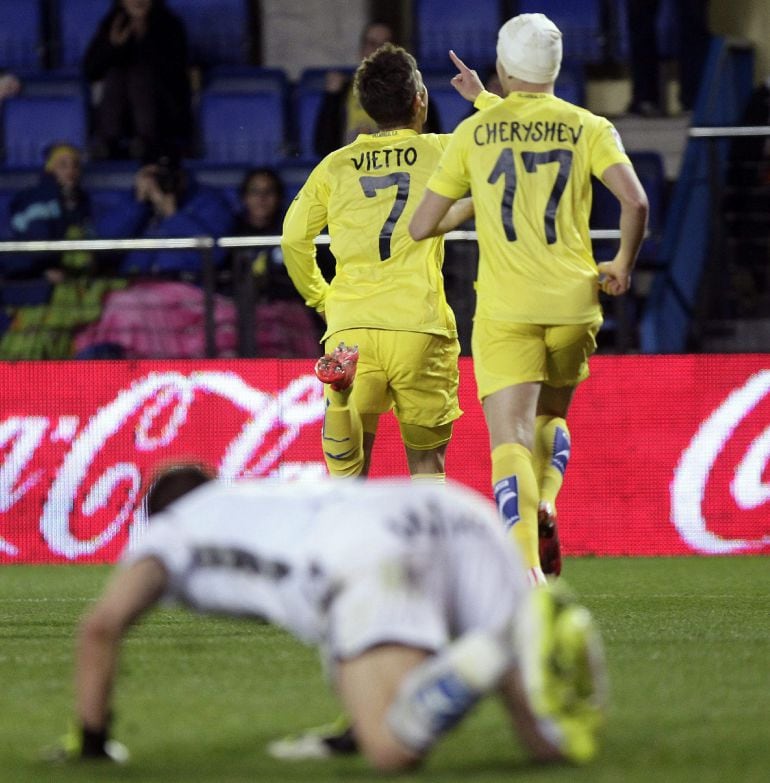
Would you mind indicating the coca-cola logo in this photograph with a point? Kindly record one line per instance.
(90, 495)
(696, 470)
(78, 439)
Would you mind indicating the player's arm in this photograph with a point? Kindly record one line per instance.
(467, 82)
(304, 221)
(458, 213)
(623, 183)
(431, 214)
(130, 593)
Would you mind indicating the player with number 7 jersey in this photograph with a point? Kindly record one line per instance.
(387, 294)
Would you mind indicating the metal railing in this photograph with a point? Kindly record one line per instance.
(729, 131)
(206, 246)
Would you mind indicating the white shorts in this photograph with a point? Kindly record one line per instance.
(426, 579)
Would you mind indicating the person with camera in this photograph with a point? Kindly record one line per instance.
(161, 312)
(168, 202)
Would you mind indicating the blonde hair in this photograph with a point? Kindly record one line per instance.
(55, 151)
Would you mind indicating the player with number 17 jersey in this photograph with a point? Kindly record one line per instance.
(527, 162)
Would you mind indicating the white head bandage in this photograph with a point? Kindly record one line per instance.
(529, 48)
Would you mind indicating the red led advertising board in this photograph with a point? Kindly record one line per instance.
(670, 454)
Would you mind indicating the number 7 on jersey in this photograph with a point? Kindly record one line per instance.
(370, 186)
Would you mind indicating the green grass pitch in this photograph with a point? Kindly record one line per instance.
(688, 646)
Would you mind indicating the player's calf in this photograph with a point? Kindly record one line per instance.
(436, 695)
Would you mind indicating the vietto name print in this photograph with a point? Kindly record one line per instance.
(671, 455)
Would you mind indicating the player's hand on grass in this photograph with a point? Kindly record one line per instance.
(80, 744)
(467, 81)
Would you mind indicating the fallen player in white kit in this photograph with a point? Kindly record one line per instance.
(418, 601)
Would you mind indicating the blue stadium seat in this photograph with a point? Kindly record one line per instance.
(247, 128)
(77, 22)
(21, 35)
(217, 30)
(54, 84)
(293, 175)
(452, 107)
(246, 78)
(105, 202)
(6, 196)
(468, 28)
(306, 102)
(110, 175)
(226, 178)
(307, 105)
(19, 293)
(30, 124)
(570, 84)
(580, 24)
(13, 180)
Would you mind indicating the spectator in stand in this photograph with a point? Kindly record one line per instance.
(691, 19)
(162, 313)
(56, 208)
(341, 118)
(10, 86)
(284, 327)
(168, 202)
(139, 57)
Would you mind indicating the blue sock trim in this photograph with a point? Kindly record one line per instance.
(507, 497)
(561, 450)
(446, 699)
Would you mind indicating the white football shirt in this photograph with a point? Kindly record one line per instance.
(345, 563)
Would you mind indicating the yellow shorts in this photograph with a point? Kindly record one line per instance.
(416, 374)
(505, 354)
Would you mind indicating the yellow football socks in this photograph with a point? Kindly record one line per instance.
(516, 493)
(342, 435)
(552, 449)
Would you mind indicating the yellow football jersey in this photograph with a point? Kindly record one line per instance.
(528, 162)
(366, 193)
